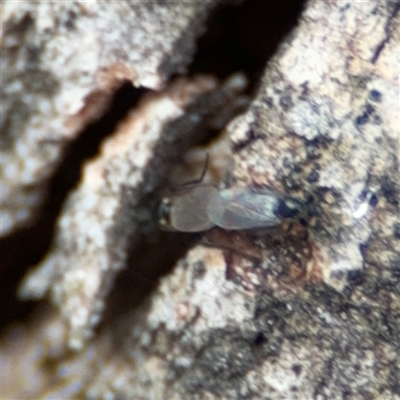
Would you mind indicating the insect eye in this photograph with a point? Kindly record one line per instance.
(289, 208)
(164, 213)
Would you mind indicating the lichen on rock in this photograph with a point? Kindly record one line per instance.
(309, 310)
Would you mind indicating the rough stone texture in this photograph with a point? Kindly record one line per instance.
(116, 201)
(61, 64)
(311, 311)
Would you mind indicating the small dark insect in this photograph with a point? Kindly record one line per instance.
(203, 207)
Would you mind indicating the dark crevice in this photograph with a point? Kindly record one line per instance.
(395, 10)
(243, 38)
(27, 247)
(145, 267)
(238, 38)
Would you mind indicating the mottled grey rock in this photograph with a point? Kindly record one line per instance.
(61, 64)
(308, 311)
(116, 202)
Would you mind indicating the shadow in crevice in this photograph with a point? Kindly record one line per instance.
(28, 246)
(237, 38)
(244, 37)
(145, 267)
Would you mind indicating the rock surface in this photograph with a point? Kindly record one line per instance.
(61, 64)
(308, 311)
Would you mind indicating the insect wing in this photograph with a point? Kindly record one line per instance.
(242, 208)
(188, 210)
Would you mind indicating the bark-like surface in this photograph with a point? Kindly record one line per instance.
(308, 311)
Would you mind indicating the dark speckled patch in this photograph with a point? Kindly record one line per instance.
(40, 82)
(394, 380)
(32, 78)
(375, 95)
(14, 122)
(296, 368)
(390, 190)
(33, 81)
(70, 20)
(396, 230)
(221, 362)
(199, 270)
(286, 102)
(313, 176)
(328, 296)
(20, 27)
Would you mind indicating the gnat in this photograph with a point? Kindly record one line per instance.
(203, 207)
